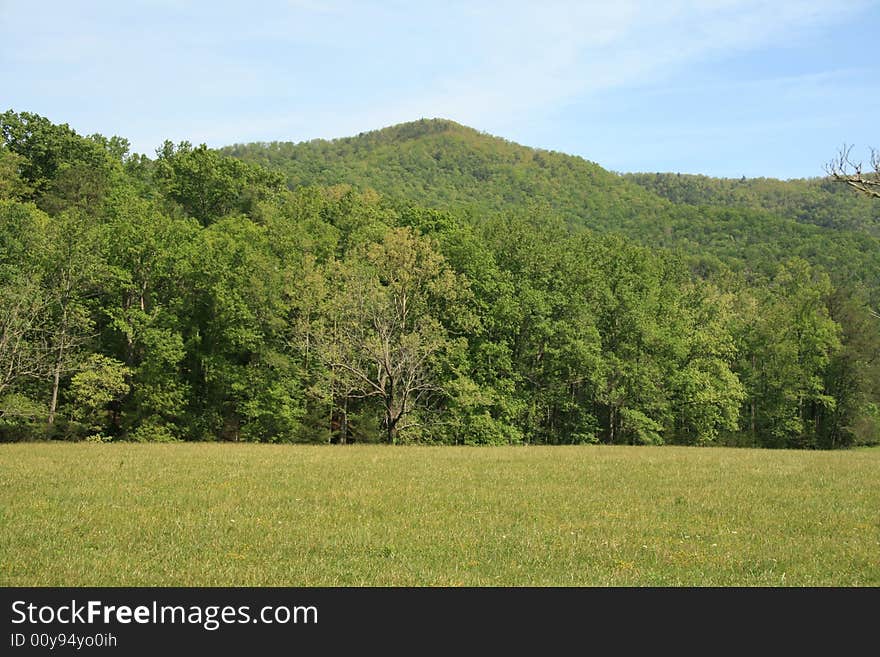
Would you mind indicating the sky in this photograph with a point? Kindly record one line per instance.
(719, 87)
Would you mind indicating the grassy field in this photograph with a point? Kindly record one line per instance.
(221, 514)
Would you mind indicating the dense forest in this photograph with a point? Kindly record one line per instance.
(425, 283)
(818, 201)
(751, 224)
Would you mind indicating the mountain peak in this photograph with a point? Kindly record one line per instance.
(417, 129)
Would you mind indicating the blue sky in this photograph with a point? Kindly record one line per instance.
(721, 87)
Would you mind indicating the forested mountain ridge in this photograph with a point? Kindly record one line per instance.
(746, 224)
(819, 201)
(196, 296)
(440, 163)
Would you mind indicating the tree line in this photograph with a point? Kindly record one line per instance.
(196, 296)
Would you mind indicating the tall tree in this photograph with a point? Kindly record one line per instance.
(74, 268)
(60, 168)
(209, 186)
(387, 339)
(150, 260)
(24, 303)
(786, 341)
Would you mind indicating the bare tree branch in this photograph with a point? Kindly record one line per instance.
(843, 169)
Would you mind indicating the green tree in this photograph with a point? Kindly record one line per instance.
(12, 186)
(786, 342)
(74, 269)
(149, 260)
(209, 186)
(24, 310)
(852, 377)
(96, 391)
(386, 341)
(62, 169)
(23, 347)
(708, 394)
(243, 383)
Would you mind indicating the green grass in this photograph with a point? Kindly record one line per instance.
(237, 515)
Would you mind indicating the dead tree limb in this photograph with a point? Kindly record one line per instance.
(843, 169)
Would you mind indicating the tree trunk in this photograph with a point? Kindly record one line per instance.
(753, 413)
(56, 378)
(753, 404)
(56, 374)
(611, 423)
(343, 426)
(391, 414)
(392, 418)
(390, 429)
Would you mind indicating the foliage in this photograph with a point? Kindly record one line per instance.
(743, 223)
(208, 186)
(817, 201)
(488, 294)
(100, 384)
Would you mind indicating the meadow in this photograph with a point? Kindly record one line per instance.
(272, 515)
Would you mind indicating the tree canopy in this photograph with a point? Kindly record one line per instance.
(426, 283)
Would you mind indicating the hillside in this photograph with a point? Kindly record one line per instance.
(818, 201)
(443, 164)
(751, 224)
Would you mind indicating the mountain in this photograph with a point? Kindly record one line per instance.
(744, 223)
(441, 163)
(818, 201)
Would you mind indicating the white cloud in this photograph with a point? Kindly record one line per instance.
(538, 55)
